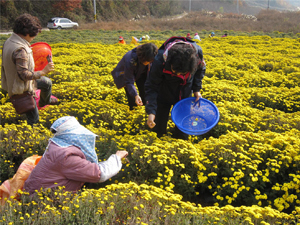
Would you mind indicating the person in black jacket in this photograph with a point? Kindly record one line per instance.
(176, 72)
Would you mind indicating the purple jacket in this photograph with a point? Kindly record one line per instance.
(62, 167)
(128, 70)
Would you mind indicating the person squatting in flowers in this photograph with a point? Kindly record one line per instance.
(17, 72)
(177, 70)
(196, 36)
(121, 40)
(212, 34)
(133, 68)
(70, 159)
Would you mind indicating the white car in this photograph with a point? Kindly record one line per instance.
(61, 23)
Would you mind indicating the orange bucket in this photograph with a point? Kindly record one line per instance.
(41, 50)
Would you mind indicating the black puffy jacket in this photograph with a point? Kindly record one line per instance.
(166, 88)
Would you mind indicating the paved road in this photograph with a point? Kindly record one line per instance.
(10, 32)
(5, 32)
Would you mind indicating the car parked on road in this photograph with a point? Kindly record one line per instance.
(61, 23)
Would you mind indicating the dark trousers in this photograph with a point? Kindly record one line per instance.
(140, 83)
(45, 84)
(161, 120)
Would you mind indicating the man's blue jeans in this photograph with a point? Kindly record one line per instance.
(45, 85)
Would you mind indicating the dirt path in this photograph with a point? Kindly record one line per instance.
(177, 16)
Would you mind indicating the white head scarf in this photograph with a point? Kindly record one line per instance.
(68, 132)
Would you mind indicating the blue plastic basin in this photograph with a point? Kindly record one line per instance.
(193, 119)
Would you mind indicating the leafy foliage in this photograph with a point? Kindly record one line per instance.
(66, 5)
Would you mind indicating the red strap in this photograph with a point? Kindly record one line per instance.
(183, 77)
(168, 71)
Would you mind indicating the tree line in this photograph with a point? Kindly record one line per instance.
(82, 11)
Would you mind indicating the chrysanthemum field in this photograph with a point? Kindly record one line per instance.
(244, 171)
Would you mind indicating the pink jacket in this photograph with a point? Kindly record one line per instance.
(62, 167)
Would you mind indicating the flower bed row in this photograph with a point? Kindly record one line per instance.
(249, 158)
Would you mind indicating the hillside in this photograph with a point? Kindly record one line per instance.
(264, 21)
(119, 14)
(249, 7)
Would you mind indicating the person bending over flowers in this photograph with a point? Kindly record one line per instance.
(177, 70)
(133, 68)
(70, 159)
